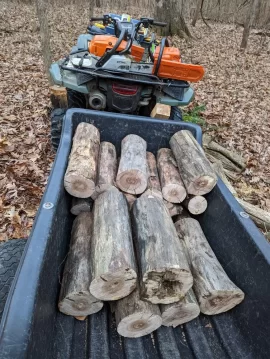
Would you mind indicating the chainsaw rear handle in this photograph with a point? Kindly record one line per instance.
(158, 23)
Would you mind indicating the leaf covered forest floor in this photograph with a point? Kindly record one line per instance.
(235, 92)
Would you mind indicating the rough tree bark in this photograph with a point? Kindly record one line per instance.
(169, 11)
(45, 36)
(254, 9)
(197, 11)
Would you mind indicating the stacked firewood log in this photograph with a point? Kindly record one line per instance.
(134, 242)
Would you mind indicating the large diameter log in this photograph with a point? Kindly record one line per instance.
(132, 171)
(107, 167)
(80, 177)
(153, 184)
(195, 204)
(195, 169)
(164, 271)
(135, 317)
(79, 205)
(215, 292)
(181, 312)
(113, 261)
(75, 298)
(173, 189)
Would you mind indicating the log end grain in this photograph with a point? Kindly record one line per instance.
(81, 318)
(179, 313)
(201, 185)
(79, 186)
(132, 181)
(114, 286)
(220, 301)
(197, 205)
(139, 324)
(165, 286)
(80, 304)
(174, 193)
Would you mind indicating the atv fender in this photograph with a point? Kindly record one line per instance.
(56, 74)
(82, 42)
(168, 100)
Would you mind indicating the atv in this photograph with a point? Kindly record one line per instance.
(120, 66)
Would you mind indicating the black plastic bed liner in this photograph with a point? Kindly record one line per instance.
(33, 328)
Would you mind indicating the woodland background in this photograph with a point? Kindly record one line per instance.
(232, 102)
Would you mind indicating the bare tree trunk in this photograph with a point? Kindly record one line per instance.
(45, 36)
(254, 9)
(197, 11)
(92, 4)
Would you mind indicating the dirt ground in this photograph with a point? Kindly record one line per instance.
(235, 91)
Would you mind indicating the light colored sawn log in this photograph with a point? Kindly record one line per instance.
(215, 292)
(113, 260)
(195, 204)
(132, 172)
(173, 189)
(164, 271)
(75, 298)
(153, 184)
(195, 169)
(181, 312)
(107, 167)
(135, 317)
(80, 177)
(161, 111)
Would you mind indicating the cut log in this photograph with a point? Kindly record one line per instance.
(153, 184)
(214, 156)
(173, 208)
(215, 292)
(258, 215)
(231, 155)
(80, 205)
(161, 111)
(195, 169)
(181, 312)
(165, 274)
(80, 177)
(130, 199)
(136, 318)
(58, 97)
(173, 189)
(113, 261)
(107, 167)
(132, 171)
(75, 298)
(81, 318)
(195, 204)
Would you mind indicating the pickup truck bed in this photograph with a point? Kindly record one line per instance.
(32, 327)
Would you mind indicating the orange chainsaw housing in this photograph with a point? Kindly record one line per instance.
(171, 66)
(101, 43)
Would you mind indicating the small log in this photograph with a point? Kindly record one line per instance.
(181, 312)
(230, 155)
(132, 172)
(130, 199)
(214, 156)
(80, 177)
(258, 215)
(161, 111)
(135, 317)
(58, 97)
(79, 205)
(75, 298)
(113, 261)
(81, 318)
(195, 169)
(173, 189)
(195, 204)
(165, 274)
(215, 292)
(174, 208)
(153, 184)
(107, 167)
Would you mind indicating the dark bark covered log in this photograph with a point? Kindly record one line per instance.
(195, 169)
(173, 189)
(181, 312)
(113, 261)
(80, 205)
(107, 167)
(215, 292)
(195, 204)
(153, 184)
(132, 172)
(165, 274)
(135, 317)
(80, 177)
(75, 298)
